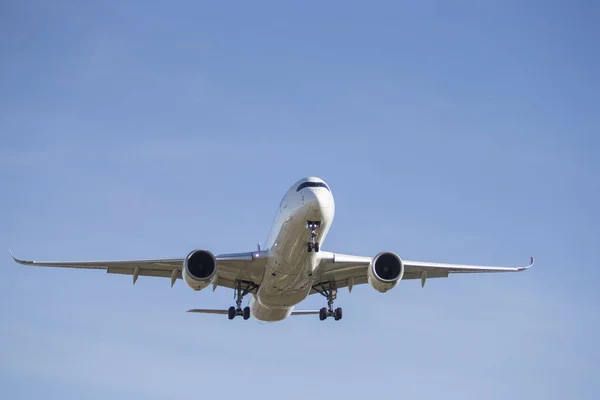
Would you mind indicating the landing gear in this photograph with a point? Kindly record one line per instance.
(313, 244)
(233, 312)
(242, 288)
(330, 292)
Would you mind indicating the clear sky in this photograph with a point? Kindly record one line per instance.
(459, 131)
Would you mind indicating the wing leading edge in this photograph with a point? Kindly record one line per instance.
(248, 266)
(348, 270)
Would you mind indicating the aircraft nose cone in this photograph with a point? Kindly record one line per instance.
(317, 201)
(310, 198)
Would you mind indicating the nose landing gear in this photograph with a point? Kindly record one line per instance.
(313, 244)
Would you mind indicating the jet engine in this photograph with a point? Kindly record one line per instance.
(199, 269)
(385, 271)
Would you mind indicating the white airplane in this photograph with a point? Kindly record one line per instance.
(291, 267)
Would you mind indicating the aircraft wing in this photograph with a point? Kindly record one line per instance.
(347, 270)
(244, 266)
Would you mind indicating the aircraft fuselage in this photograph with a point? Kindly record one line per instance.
(289, 274)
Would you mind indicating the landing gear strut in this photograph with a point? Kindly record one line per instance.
(328, 291)
(313, 244)
(242, 288)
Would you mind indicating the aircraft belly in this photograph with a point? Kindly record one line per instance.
(288, 277)
(285, 286)
(269, 314)
(290, 249)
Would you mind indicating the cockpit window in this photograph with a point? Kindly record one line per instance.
(311, 184)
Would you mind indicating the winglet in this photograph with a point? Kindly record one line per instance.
(531, 260)
(15, 258)
(19, 261)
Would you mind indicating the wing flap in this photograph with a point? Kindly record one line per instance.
(144, 272)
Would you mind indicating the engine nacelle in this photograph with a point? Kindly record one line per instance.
(199, 269)
(385, 271)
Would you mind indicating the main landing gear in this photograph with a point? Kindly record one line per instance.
(313, 244)
(242, 288)
(330, 292)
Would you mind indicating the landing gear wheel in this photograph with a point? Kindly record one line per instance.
(323, 314)
(316, 246)
(242, 288)
(338, 314)
(329, 291)
(310, 247)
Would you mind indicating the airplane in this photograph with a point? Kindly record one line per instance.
(290, 267)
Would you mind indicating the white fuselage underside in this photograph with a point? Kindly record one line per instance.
(289, 277)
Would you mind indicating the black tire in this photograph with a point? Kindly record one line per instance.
(246, 312)
(309, 247)
(232, 313)
(338, 314)
(323, 314)
(316, 247)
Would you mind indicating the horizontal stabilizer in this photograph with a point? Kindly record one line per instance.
(225, 312)
(305, 312)
(222, 312)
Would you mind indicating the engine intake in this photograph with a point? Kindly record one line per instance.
(385, 271)
(199, 269)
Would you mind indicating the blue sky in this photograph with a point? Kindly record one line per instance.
(463, 132)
